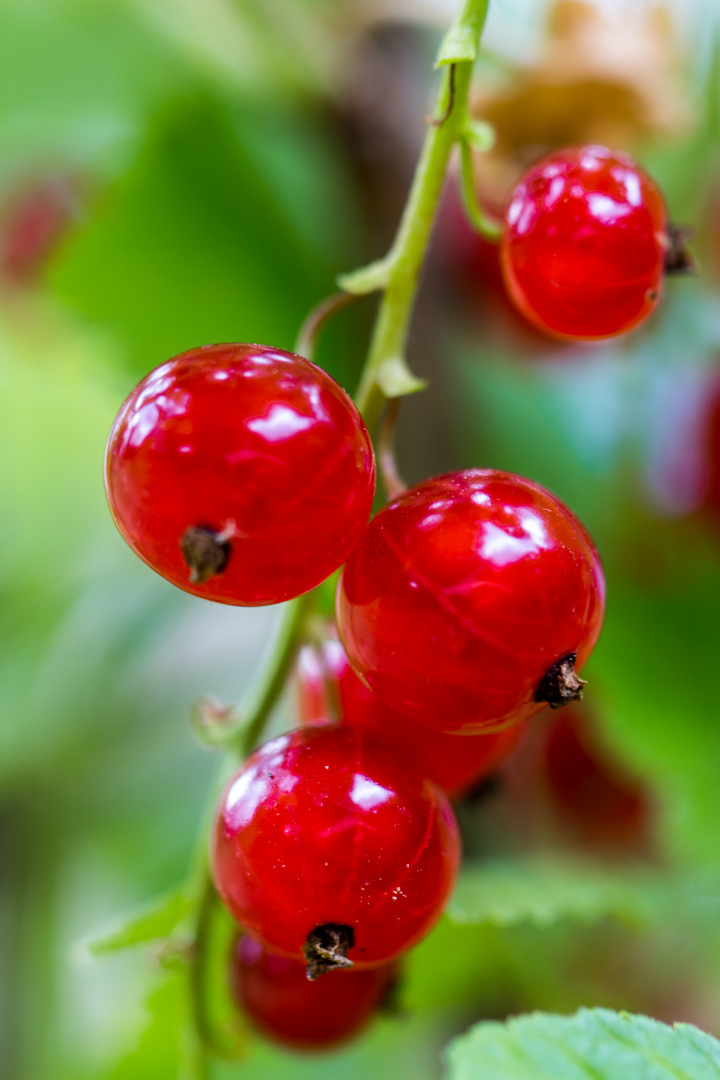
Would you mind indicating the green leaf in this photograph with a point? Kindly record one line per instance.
(157, 921)
(76, 83)
(663, 727)
(155, 1050)
(595, 1044)
(194, 243)
(544, 891)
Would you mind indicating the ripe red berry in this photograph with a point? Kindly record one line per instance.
(600, 804)
(452, 762)
(285, 1005)
(240, 473)
(468, 599)
(584, 246)
(325, 845)
(32, 222)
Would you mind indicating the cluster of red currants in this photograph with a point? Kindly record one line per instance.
(245, 475)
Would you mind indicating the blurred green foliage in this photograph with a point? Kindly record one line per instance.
(219, 199)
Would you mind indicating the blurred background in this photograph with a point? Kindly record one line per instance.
(178, 172)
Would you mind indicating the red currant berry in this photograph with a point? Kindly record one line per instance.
(600, 803)
(325, 845)
(318, 694)
(452, 762)
(468, 599)
(584, 245)
(240, 473)
(285, 1005)
(32, 223)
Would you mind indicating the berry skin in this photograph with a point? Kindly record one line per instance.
(286, 1006)
(452, 762)
(32, 223)
(467, 600)
(324, 845)
(584, 245)
(599, 803)
(241, 473)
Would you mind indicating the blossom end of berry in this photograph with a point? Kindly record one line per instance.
(678, 259)
(205, 552)
(560, 684)
(326, 949)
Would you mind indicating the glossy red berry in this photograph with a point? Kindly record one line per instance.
(325, 845)
(584, 245)
(453, 762)
(600, 804)
(32, 223)
(240, 473)
(469, 598)
(282, 1003)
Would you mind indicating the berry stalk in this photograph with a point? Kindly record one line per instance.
(208, 1040)
(386, 374)
(273, 678)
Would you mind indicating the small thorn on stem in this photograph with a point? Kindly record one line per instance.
(560, 684)
(678, 259)
(326, 949)
(205, 551)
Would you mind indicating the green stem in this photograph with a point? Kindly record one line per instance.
(307, 339)
(385, 376)
(262, 701)
(387, 465)
(275, 672)
(385, 367)
(480, 221)
(462, 40)
(193, 1063)
(407, 254)
(210, 1039)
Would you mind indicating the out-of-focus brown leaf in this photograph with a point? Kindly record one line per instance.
(600, 78)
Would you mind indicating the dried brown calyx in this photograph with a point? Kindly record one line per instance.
(205, 551)
(678, 259)
(560, 684)
(327, 947)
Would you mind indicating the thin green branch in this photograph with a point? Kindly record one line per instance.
(194, 1063)
(309, 333)
(211, 1039)
(386, 373)
(462, 41)
(264, 697)
(387, 464)
(275, 672)
(385, 377)
(480, 221)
